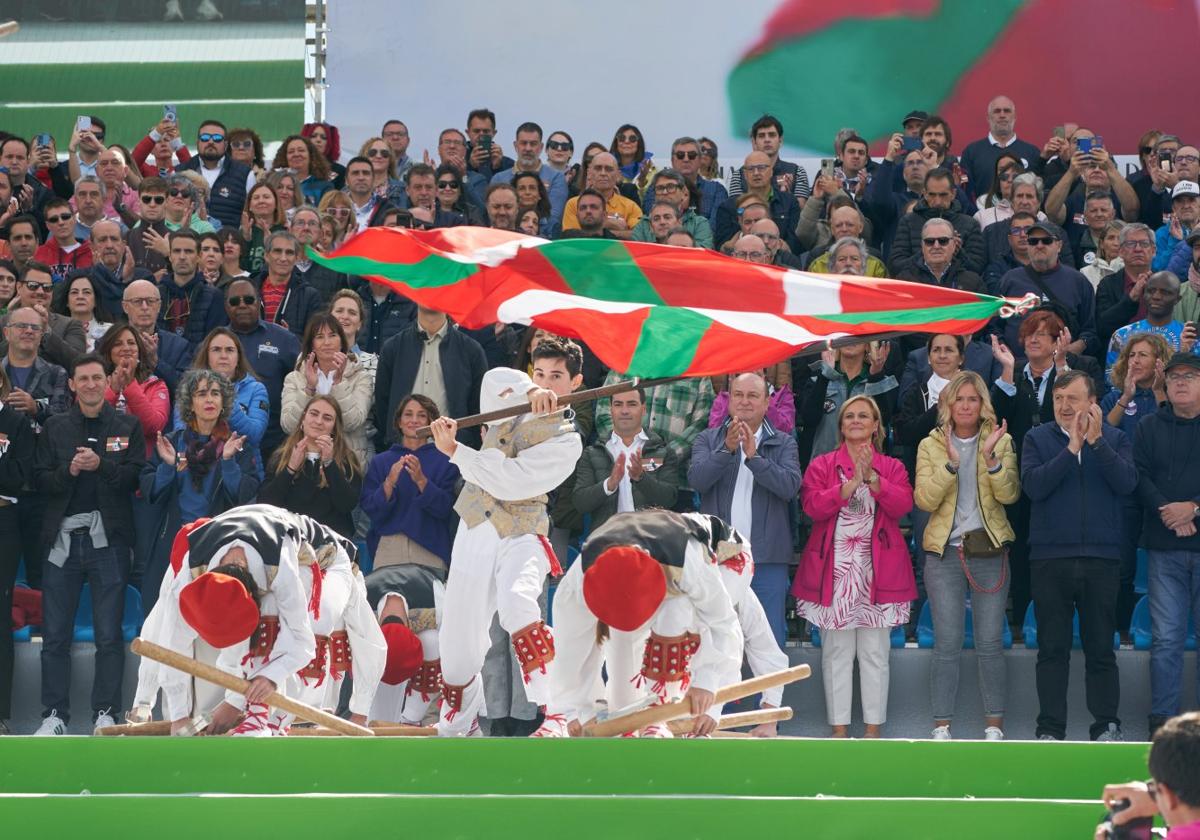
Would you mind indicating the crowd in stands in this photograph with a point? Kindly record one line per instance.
(170, 350)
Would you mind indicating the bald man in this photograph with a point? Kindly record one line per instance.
(173, 355)
(978, 159)
(621, 214)
(757, 180)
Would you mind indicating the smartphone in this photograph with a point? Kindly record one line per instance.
(1084, 144)
(42, 139)
(1059, 131)
(83, 123)
(827, 167)
(485, 142)
(1098, 142)
(1164, 161)
(169, 113)
(911, 144)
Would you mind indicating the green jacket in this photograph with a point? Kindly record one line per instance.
(692, 222)
(656, 488)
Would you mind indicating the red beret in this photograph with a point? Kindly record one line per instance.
(219, 608)
(404, 655)
(180, 546)
(624, 587)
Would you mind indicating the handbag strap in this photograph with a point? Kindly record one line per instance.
(975, 587)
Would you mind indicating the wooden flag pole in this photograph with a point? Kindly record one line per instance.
(228, 681)
(682, 708)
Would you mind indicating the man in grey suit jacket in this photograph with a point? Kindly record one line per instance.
(748, 473)
(62, 337)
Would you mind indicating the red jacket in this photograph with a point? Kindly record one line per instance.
(61, 263)
(142, 156)
(821, 499)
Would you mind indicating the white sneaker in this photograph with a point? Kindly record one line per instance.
(993, 733)
(940, 733)
(207, 11)
(173, 11)
(52, 724)
(105, 719)
(554, 726)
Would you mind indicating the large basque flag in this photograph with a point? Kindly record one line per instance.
(645, 309)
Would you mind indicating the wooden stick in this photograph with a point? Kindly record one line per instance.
(577, 396)
(752, 718)
(229, 681)
(682, 708)
(721, 733)
(394, 730)
(154, 727)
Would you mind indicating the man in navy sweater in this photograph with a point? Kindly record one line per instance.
(1076, 472)
(1166, 450)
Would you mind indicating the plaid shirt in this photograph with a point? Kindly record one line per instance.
(677, 411)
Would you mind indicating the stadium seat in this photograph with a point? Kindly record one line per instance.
(925, 630)
(131, 621)
(1139, 627)
(365, 561)
(1141, 576)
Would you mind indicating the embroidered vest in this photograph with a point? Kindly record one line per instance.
(527, 516)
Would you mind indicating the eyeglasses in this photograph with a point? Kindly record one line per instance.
(708, 151)
(627, 138)
(448, 185)
(1145, 150)
(756, 167)
(936, 240)
(153, 199)
(143, 301)
(377, 152)
(32, 328)
(35, 286)
(686, 155)
(1040, 240)
(56, 219)
(750, 255)
(1187, 159)
(99, 135)
(666, 187)
(206, 137)
(242, 300)
(176, 192)
(1137, 245)
(241, 144)
(338, 211)
(1183, 377)
(559, 145)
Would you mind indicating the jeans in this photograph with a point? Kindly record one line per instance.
(1131, 534)
(105, 571)
(1018, 558)
(946, 587)
(770, 584)
(1174, 592)
(1061, 586)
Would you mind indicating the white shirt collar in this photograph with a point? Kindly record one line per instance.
(995, 142)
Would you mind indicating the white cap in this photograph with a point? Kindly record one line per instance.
(1185, 188)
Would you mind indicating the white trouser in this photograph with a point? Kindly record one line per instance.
(872, 646)
(395, 703)
(488, 576)
(336, 584)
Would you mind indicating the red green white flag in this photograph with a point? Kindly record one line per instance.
(644, 309)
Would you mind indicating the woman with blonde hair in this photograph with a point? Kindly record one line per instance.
(383, 166)
(337, 206)
(855, 580)
(287, 188)
(966, 474)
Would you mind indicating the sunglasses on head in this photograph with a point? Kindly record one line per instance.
(242, 300)
(686, 155)
(153, 199)
(56, 219)
(207, 137)
(559, 145)
(1040, 240)
(936, 240)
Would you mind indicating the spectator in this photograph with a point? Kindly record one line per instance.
(420, 185)
(622, 214)
(978, 159)
(966, 473)
(89, 197)
(366, 203)
(999, 240)
(635, 164)
(854, 369)
(386, 313)
(1168, 484)
(940, 263)
(845, 221)
(16, 476)
(14, 156)
(685, 159)
(270, 350)
(1098, 211)
(632, 470)
(996, 204)
(1107, 257)
(212, 261)
(84, 148)
(327, 366)
(190, 306)
(163, 143)
(61, 338)
(671, 189)
(78, 298)
(528, 146)
(778, 250)
(87, 465)
(531, 197)
(1054, 283)
(409, 491)
(883, 201)
(385, 182)
(1074, 539)
(938, 202)
(589, 207)
(484, 155)
(750, 249)
(306, 227)
(1185, 213)
(452, 150)
(121, 199)
(171, 354)
(23, 239)
(766, 136)
(747, 473)
(1120, 298)
(396, 134)
(917, 413)
(261, 217)
(184, 208)
(201, 469)
(246, 148)
(453, 197)
(315, 471)
(1139, 388)
(147, 240)
(222, 352)
(326, 141)
(53, 174)
(855, 580)
(977, 356)
(782, 207)
(8, 285)
(1088, 172)
(227, 179)
(1159, 173)
(132, 386)
(559, 148)
(431, 357)
(62, 252)
(709, 167)
(232, 248)
(1161, 294)
(854, 163)
(1173, 793)
(287, 188)
(298, 154)
(286, 299)
(338, 208)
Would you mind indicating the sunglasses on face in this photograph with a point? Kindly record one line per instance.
(708, 151)
(559, 145)
(206, 137)
(241, 144)
(686, 155)
(377, 153)
(937, 240)
(35, 286)
(154, 199)
(627, 138)
(243, 300)
(178, 193)
(447, 185)
(56, 219)
(1040, 240)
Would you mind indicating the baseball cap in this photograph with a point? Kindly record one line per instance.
(1185, 188)
(1049, 227)
(920, 116)
(1184, 360)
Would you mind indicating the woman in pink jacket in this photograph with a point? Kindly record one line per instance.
(855, 580)
(132, 386)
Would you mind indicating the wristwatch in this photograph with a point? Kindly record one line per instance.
(951, 468)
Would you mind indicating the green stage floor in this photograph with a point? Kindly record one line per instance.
(502, 788)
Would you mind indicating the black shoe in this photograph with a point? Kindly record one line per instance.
(1155, 722)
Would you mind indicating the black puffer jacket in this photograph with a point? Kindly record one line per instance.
(906, 245)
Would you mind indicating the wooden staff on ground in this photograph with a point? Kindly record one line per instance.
(753, 718)
(381, 729)
(233, 683)
(683, 708)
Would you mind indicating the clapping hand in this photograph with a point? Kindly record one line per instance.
(616, 474)
(989, 445)
(636, 468)
(167, 454)
(233, 445)
(412, 465)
